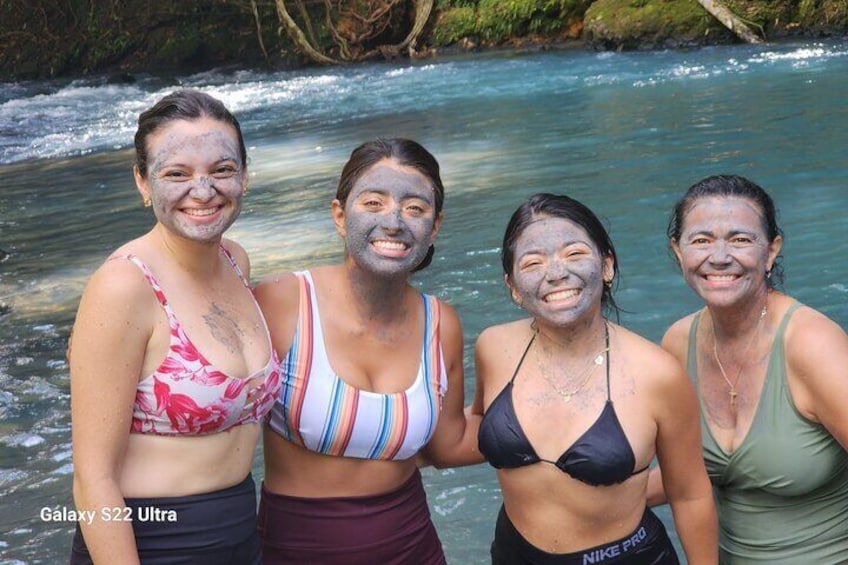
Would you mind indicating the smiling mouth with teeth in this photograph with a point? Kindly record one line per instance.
(390, 245)
(201, 211)
(721, 277)
(561, 295)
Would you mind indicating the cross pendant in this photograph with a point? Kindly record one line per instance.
(732, 394)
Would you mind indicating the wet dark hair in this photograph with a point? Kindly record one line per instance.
(407, 153)
(727, 186)
(548, 205)
(181, 105)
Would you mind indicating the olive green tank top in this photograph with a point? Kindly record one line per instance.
(782, 496)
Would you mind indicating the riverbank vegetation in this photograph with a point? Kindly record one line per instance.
(48, 38)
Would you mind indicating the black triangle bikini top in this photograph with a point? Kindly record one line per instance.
(601, 456)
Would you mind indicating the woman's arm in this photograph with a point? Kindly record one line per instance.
(278, 297)
(684, 477)
(656, 493)
(112, 329)
(675, 341)
(481, 369)
(454, 442)
(817, 359)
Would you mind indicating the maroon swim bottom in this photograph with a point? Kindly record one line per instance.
(390, 529)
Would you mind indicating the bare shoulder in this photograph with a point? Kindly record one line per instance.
(648, 362)
(501, 331)
(278, 296)
(450, 326)
(119, 281)
(236, 250)
(447, 313)
(238, 253)
(278, 290)
(816, 354)
(504, 339)
(811, 336)
(676, 337)
(117, 303)
(450, 336)
(497, 352)
(808, 325)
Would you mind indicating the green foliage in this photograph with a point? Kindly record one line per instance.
(557, 14)
(105, 44)
(807, 9)
(835, 15)
(763, 15)
(499, 20)
(41, 38)
(826, 16)
(454, 24)
(445, 4)
(632, 24)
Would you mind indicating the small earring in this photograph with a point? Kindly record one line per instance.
(243, 192)
(768, 273)
(147, 202)
(608, 283)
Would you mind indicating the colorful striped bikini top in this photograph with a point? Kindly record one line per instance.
(318, 410)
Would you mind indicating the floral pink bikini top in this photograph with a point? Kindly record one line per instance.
(187, 395)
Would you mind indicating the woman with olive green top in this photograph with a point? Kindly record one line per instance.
(785, 463)
(770, 374)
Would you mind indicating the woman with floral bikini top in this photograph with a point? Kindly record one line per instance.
(172, 368)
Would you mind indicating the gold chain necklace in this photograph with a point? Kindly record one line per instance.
(732, 385)
(593, 362)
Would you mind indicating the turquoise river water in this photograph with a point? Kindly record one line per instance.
(625, 133)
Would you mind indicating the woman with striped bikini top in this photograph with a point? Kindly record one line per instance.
(371, 378)
(319, 410)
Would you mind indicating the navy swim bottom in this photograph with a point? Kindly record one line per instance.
(216, 528)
